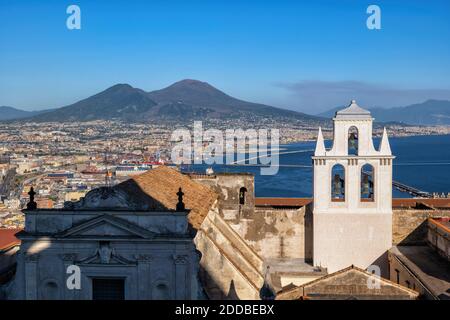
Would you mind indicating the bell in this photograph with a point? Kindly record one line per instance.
(337, 186)
(365, 185)
(353, 141)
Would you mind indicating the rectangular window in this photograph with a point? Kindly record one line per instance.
(398, 276)
(108, 289)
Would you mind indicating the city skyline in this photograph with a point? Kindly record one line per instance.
(303, 57)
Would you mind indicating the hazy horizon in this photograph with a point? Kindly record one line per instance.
(343, 104)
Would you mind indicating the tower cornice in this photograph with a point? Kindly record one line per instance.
(338, 157)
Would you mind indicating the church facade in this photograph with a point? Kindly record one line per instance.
(117, 248)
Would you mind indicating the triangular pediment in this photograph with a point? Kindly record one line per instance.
(107, 226)
(349, 283)
(104, 229)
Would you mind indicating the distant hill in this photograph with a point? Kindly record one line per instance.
(430, 112)
(331, 112)
(10, 113)
(121, 101)
(183, 100)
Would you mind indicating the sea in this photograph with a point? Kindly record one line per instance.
(422, 162)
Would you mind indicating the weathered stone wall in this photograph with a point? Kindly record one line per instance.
(229, 268)
(278, 233)
(438, 237)
(399, 274)
(228, 186)
(271, 232)
(409, 226)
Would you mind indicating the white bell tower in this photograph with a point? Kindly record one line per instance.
(352, 215)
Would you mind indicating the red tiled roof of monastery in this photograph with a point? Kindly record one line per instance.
(162, 184)
(8, 238)
(412, 202)
(442, 223)
(288, 202)
(396, 203)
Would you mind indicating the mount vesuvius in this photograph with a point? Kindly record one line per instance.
(183, 100)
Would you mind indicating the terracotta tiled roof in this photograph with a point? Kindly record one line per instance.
(8, 238)
(396, 203)
(162, 184)
(412, 202)
(443, 223)
(285, 202)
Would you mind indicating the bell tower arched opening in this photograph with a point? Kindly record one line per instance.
(338, 183)
(352, 141)
(367, 183)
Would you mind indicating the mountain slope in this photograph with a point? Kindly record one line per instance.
(10, 113)
(196, 97)
(331, 112)
(430, 112)
(184, 100)
(120, 101)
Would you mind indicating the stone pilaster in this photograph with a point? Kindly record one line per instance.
(143, 276)
(180, 262)
(31, 280)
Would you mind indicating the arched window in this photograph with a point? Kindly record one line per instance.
(352, 141)
(338, 183)
(242, 193)
(367, 183)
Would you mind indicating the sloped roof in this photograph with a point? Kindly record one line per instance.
(353, 111)
(287, 202)
(432, 270)
(442, 223)
(8, 238)
(396, 202)
(349, 282)
(413, 202)
(162, 183)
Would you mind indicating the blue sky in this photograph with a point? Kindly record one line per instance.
(306, 56)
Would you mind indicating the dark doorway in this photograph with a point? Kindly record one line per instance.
(242, 193)
(108, 289)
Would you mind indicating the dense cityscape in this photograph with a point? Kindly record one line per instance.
(64, 161)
